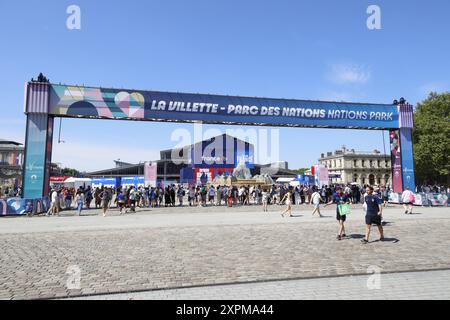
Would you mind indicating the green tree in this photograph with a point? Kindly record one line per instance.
(432, 139)
(301, 170)
(69, 172)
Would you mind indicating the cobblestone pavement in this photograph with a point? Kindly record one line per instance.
(181, 248)
(429, 285)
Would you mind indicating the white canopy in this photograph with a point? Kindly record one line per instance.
(285, 180)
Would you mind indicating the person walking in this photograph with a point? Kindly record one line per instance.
(212, 195)
(265, 200)
(315, 201)
(287, 199)
(172, 195)
(408, 200)
(191, 196)
(79, 201)
(68, 199)
(297, 198)
(339, 198)
(53, 204)
(180, 194)
(132, 199)
(121, 202)
(374, 213)
(88, 197)
(384, 195)
(104, 196)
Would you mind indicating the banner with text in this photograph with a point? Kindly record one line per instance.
(75, 101)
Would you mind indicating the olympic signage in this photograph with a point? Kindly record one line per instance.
(72, 101)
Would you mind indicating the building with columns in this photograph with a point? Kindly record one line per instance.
(349, 166)
(11, 160)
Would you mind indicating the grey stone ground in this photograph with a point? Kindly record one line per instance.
(189, 247)
(433, 285)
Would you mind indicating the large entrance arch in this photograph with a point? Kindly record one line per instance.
(45, 101)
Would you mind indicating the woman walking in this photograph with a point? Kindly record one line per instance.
(287, 199)
(315, 201)
(265, 200)
(339, 198)
(121, 202)
(408, 200)
(104, 195)
(79, 200)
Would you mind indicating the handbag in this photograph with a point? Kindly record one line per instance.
(344, 209)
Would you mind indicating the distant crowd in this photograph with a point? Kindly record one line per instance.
(128, 198)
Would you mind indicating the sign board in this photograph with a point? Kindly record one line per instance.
(150, 174)
(89, 102)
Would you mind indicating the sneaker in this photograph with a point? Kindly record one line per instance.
(382, 239)
(364, 241)
(339, 238)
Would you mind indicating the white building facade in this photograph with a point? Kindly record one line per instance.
(364, 168)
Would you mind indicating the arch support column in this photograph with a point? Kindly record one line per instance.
(38, 141)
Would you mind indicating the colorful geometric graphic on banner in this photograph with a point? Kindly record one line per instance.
(407, 159)
(73, 101)
(396, 160)
(34, 172)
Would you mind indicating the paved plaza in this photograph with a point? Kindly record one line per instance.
(177, 253)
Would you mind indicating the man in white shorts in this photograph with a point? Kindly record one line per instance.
(315, 201)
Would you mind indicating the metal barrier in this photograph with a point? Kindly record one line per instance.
(424, 199)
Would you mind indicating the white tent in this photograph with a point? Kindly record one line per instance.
(285, 180)
(78, 182)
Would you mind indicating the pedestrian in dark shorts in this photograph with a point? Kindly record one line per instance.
(374, 212)
(104, 195)
(340, 198)
(121, 202)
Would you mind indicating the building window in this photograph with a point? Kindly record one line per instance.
(363, 163)
(355, 178)
(355, 163)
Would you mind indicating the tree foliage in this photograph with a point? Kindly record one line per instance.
(432, 139)
(301, 170)
(69, 172)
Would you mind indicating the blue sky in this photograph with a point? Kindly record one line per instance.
(319, 50)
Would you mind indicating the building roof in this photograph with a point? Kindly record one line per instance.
(10, 145)
(224, 136)
(353, 153)
(3, 141)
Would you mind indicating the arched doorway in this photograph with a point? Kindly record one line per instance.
(371, 180)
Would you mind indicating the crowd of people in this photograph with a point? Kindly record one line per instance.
(128, 198)
(173, 195)
(10, 192)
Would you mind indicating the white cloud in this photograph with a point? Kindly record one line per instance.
(349, 74)
(90, 157)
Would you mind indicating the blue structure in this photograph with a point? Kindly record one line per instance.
(45, 101)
